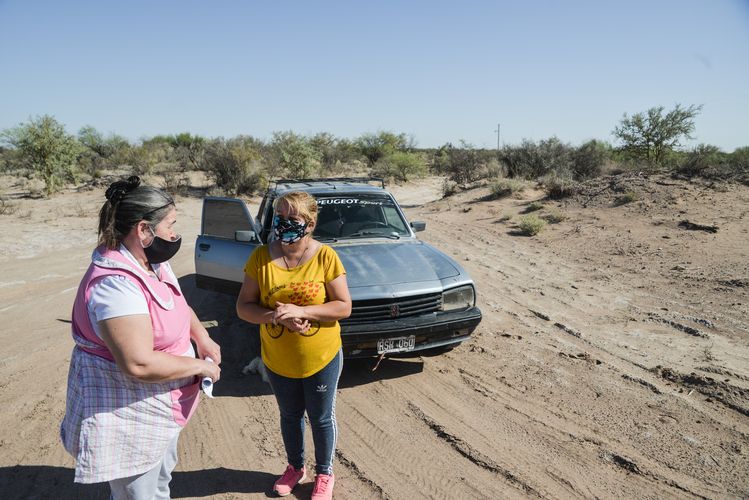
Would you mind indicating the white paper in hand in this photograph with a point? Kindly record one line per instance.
(207, 384)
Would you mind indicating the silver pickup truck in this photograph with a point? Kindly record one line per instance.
(407, 295)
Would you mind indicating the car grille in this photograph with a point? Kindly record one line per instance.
(367, 311)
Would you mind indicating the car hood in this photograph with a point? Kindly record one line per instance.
(392, 263)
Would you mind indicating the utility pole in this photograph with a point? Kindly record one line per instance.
(497, 131)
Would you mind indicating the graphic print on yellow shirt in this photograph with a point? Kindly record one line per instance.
(301, 293)
(288, 353)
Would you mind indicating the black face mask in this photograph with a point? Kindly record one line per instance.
(161, 250)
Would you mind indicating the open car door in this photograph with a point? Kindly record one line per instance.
(228, 237)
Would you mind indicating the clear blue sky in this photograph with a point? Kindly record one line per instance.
(437, 70)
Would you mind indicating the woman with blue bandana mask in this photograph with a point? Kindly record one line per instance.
(288, 231)
(295, 289)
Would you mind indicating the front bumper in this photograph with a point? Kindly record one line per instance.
(431, 330)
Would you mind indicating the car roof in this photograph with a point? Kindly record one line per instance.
(329, 186)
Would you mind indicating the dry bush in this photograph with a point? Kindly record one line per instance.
(400, 166)
(531, 225)
(627, 197)
(7, 207)
(234, 165)
(555, 217)
(534, 206)
(502, 187)
(559, 186)
(176, 183)
(449, 188)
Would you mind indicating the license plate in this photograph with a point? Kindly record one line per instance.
(396, 344)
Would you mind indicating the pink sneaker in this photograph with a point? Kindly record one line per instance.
(291, 477)
(323, 487)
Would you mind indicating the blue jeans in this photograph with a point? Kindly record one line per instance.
(315, 395)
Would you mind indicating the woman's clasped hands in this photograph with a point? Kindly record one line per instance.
(290, 316)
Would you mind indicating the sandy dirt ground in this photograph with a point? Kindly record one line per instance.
(612, 360)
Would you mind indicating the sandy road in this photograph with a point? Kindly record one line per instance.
(596, 372)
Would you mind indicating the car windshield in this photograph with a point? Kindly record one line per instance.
(359, 216)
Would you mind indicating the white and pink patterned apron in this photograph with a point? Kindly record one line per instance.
(116, 426)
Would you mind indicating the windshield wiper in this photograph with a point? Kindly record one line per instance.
(392, 236)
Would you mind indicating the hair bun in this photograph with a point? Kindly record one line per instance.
(117, 190)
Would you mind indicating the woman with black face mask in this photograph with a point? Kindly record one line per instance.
(134, 376)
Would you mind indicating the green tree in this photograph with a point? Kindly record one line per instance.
(189, 150)
(46, 148)
(532, 160)
(106, 147)
(333, 152)
(461, 164)
(376, 146)
(589, 159)
(99, 151)
(400, 166)
(233, 164)
(650, 136)
(294, 155)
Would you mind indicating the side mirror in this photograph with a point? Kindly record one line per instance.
(418, 225)
(245, 236)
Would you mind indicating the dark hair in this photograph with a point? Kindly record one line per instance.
(127, 204)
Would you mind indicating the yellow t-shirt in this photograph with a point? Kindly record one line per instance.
(288, 353)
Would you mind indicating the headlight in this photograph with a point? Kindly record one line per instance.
(462, 297)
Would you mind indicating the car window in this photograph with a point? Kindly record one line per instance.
(222, 217)
(266, 216)
(358, 216)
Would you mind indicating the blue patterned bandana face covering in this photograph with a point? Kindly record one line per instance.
(288, 231)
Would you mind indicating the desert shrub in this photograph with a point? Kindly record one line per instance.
(651, 136)
(500, 188)
(376, 146)
(504, 218)
(738, 164)
(188, 151)
(464, 163)
(449, 188)
(710, 162)
(143, 158)
(739, 159)
(534, 206)
(336, 155)
(101, 153)
(176, 183)
(559, 185)
(554, 217)
(701, 159)
(233, 165)
(531, 225)
(6, 159)
(494, 169)
(627, 197)
(400, 166)
(7, 207)
(104, 147)
(589, 159)
(47, 149)
(294, 155)
(532, 160)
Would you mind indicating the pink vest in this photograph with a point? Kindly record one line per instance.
(170, 317)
